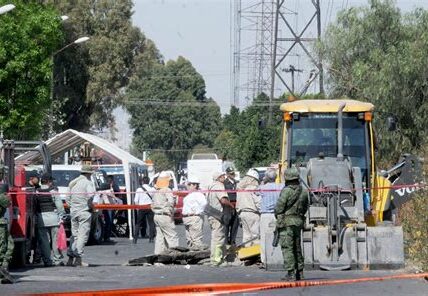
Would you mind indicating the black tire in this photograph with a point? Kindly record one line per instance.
(97, 231)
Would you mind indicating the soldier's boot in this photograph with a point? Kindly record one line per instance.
(70, 261)
(299, 275)
(6, 277)
(78, 262)
(290, 276)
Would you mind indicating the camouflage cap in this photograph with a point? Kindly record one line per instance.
(4, 201)
(291, 174)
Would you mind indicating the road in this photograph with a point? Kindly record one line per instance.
(108, 271)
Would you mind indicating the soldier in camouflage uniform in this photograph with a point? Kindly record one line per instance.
(290, 214)
(6, 242)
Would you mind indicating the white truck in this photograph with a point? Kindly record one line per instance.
(203, 166)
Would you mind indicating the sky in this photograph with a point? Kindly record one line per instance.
(200, 30)
(197, 30)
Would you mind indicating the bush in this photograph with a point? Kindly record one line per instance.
(414, 218)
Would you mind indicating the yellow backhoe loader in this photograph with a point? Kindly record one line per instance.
(350, 221)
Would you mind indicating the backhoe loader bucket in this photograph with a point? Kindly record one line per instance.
(379, 247)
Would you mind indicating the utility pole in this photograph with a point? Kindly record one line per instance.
(291, 69)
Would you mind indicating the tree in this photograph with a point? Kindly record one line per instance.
(376, 54)
(247, 139)
(169, 109)
(90, 79)
(30, 34)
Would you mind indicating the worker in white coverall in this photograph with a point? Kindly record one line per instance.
(217, 198)
(163, 208)
(193, 214)
(248, 206)
(82, 191)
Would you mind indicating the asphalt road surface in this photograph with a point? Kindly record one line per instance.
(108, 271)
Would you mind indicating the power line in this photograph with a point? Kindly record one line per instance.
(143, 101)
(182, 76)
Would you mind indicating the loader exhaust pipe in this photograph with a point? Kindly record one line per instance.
(340, 132)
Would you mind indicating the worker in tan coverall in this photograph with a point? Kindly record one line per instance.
(248, 206)
(214, 209)
(163, 208)
(82, 191)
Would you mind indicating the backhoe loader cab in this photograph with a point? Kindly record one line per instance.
(332, 144)
(311, 131)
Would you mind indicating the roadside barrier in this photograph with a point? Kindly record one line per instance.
(226, 288)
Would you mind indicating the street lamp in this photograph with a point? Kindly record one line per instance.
(77, 41)
(6, 8)
(81, 40)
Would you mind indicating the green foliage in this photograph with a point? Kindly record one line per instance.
(169, 109)
(30, 34)
(378, 55)
(90, 77)
(162, 162)
(246, 137)
(225, 144)
(414, 218)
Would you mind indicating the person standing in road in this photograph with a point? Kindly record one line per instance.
(108, 214)
(50, 209)
(232, 219)
(33, 185)
(113, 185)
(290, 214)
(193, 219)
(217, 199)
(269, 193)
(143, 197)
(82, 191)
(6, 241)
(163, 208)
(105, 196)
(248, 207)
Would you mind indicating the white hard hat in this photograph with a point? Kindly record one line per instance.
(164, 174)
(217, 175)
(253, 173)
(193, 180)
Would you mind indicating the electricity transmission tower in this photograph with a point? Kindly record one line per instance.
(252, 48)
(268, 36)
(288, 39)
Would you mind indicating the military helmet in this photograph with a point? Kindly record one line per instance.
(4, 201)
(291, 174)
